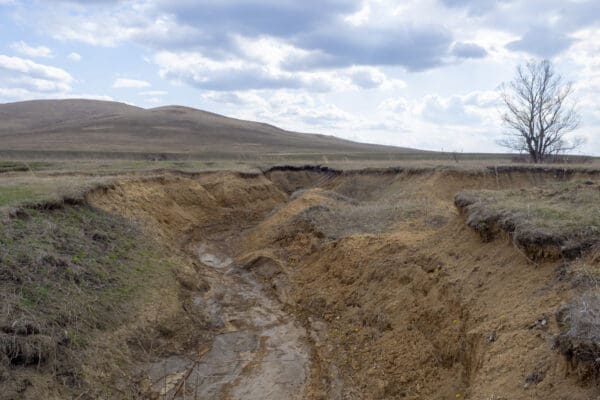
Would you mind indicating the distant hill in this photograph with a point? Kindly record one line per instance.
(101, 126)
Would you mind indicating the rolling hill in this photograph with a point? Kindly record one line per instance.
(99, 126)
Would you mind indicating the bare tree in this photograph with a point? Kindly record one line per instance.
(538, 112)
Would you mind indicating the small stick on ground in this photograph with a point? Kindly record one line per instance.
(182, 381)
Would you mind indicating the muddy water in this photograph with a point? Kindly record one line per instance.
(260, 353)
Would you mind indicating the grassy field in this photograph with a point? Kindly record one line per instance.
(17, 190)
(557, 207)
(564, 215)
(51, 179)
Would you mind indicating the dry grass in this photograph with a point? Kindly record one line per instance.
(579, 340)
(565, 215)
(53, 179)
(86, 125)
(19, 190)
(347, 216)
(67, 275)
(558, 207)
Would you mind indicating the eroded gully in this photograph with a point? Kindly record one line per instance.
(261, 352)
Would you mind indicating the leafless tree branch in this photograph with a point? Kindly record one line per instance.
(538, 112)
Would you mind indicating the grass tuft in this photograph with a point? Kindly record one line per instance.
(579, 340)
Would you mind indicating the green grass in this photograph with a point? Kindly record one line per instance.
(557, 219)
(25, 189)
(17, 166)
(15, 194)
(72, 273)
(559, 207)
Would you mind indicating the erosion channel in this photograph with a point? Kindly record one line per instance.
(321, 284)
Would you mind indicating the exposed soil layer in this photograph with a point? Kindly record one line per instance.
(560, 220)
(320, 284)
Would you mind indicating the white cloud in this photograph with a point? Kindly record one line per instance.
(31, 51)
(398, 106)
(448, 111)
(360, 17)
(25, 79)
(584, 62)
(233, 74)
(89, 96)
(154, 93)
(238, 74)
(267, 50)
(278, 107)
(74, 56)
(109, 24)
(35, 70)
(397, 120)
(467, 122)
(38, 85)
(124, 83)
(10, 94)
(372, 78)
(472, 109)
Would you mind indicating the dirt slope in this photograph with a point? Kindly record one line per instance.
(89, 125)
(377, 288)
(425, 310)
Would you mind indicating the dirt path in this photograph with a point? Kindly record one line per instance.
(261, 352)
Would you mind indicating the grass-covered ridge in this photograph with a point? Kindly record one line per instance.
(564, 216)
(19, 166)
(66, 276)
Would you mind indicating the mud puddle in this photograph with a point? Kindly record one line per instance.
(260, 352)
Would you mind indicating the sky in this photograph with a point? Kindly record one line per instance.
(412, 73)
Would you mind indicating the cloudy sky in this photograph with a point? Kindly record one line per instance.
(416, 73)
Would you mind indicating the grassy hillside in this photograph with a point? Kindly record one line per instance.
(69, 277)
(97, 126)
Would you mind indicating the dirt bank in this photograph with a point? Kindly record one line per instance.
(326, 284)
